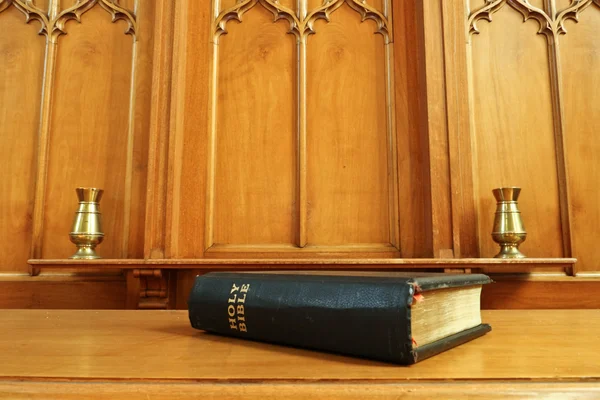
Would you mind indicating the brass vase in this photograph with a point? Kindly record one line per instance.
(87, 232)
(509, 231)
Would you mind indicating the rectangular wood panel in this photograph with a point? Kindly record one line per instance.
(89, 130)
(347, 141)
(21, 72)
(255, 158)
(580, 66)
(512, 130)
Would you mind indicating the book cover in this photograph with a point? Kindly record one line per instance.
(373, 316)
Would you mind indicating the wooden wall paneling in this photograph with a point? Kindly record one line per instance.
(414, 213)
(351, 171)
(21, 80)
(189, 124)
(541, 291)
(62, 292)
(41, 166)
(138, 139)
(580, 74)
(158, 153)
(513, 131)
(254, 156)
(456, 58)
(430, 12)
(89, 127)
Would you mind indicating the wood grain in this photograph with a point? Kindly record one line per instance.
(158, 136)
(513, 132)
(460, 158)
(62, 291)
(437, 128)
(22, 60)
(580, 61)
(60, 346)
(324, 390)
(255, 157)
(141, 123)
(189, 131)
(318, 263)
(91, 132)
(540, 292)
(416, 240)
(347, 178)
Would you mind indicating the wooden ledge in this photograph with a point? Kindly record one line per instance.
(526, 264)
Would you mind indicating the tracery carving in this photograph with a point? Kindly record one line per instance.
(31, 12)
(301, 27)
(549, 25)
(54, 27)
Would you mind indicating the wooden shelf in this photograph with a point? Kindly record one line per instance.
(281, 264)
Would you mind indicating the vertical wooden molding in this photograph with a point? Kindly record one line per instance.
(390, 92)
(127, 201)
(302, 139)
(462, 195)
(154, 242)
(559, 132)
(39, 198)
(437, 128)
(176, 128)
(212, 130)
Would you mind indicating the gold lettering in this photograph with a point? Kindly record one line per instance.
(240, 309)
(234, 288)
(242, 299)
(241, 318)
(232, 299)
(232, 324)
(231, 310)
(245, 288)
(243, 327)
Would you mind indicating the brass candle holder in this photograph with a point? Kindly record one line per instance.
(86, 232)
(509, 231)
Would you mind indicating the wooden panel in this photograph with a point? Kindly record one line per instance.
(190, 130)
(347, 170)
(437, 129)
(142, 92)
(62, 292)
(541, 292)
(291, 4)
(255, 158)
(411, 133)
(298, 391)
(379, 5)
(513, 130)
(42, 4)
(89, 130)
(22, 60)
(580, 65)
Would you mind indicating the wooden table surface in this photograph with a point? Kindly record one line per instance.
(156, 354)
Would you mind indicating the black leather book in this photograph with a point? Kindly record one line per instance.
(388, 317)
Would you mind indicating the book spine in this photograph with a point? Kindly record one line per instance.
(370, 320)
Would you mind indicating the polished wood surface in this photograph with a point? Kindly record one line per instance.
(499, 265)
(580, 62)
(349, 158)
(254, 190)
(543, 291)
(531, 347)
(297, 145)
(333, 390)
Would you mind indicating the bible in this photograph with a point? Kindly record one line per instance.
(401, 318)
